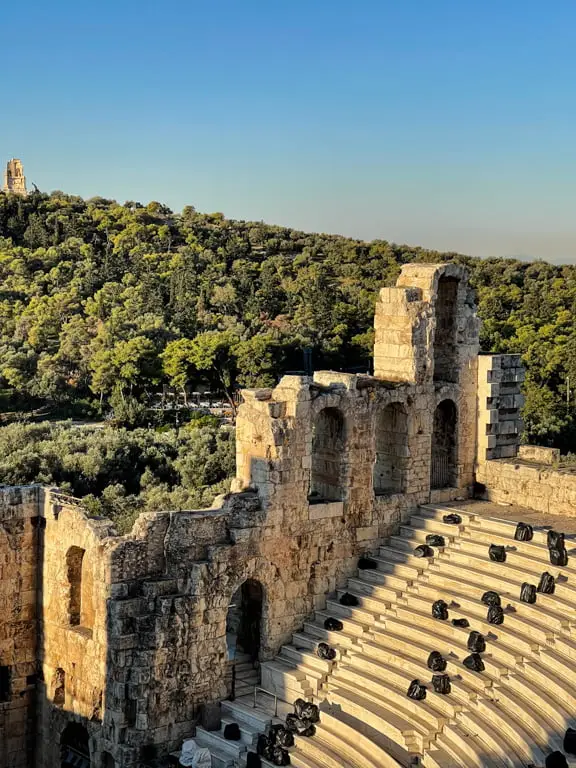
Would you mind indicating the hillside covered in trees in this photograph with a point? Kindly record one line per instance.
(104, 305)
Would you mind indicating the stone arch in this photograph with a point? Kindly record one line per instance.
(80, 607)
(444, 445)
(328, 443)
(391, 442)
(445, 347)
(74, 747)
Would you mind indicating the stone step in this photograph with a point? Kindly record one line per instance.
(513, 731)
(248, 734)
(437, 512)
(530, 715)
(389, 565)
(336, 639)
(393, 554)
(352, 627)
(371, 602)
(517, 567)
(508, 528)
(536, 551)
(241, 713)
(552, 610)
(358, 614)
(389, 580)
(433, 525)
(398, 632)
(400, 654)
(319, 751)
(556, 684)
(401, 675)
(440, 758)
(305, 641)
(286, 681)
(409, 544)
(550, 707)
(305, 658)
(346, 732)
(502, 647)
(379, 693)
(521, 629)
(218, 745)
(392, 722)
(300, 760)
(465, 749)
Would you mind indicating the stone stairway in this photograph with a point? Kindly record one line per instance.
(512, 714)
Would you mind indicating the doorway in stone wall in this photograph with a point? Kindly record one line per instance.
(243, 638)
(444, 449)
(74, 749)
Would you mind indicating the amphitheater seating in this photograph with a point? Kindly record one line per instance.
(512, 714)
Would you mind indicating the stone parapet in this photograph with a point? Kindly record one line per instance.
(536, 486)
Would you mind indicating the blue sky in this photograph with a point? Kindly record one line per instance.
(444, 123)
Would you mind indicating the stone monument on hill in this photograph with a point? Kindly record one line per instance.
(14, 179)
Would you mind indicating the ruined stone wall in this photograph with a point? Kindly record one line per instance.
(538, 486)
(426, 334)
(132, 629)
(18, 641)
(72, 586)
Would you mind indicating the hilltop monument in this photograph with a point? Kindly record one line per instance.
(14, 179)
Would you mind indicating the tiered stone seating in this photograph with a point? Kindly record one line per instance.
(512, 714)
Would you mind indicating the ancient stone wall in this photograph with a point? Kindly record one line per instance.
(537, 486)
(132, 629)
(72, 586)
(18, 640)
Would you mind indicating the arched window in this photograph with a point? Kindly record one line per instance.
(80, 609)
(74, 747)
(59, 688)
(328, 442)
(444, 448)
(445, 350)
(391, 460)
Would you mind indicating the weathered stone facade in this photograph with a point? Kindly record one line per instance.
(121, 638)
(14, 179)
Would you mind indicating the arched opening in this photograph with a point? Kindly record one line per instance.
(243, 637)
(74, 749)
(445, 357)
(391, 460)
(59, 688)
(328, 441)
(80, 610)
(108, 761)
(444, 448)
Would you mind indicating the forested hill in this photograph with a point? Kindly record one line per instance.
(104, 304)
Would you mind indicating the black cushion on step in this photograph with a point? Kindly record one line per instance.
(556, 760)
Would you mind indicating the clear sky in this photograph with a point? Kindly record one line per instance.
(445, 123)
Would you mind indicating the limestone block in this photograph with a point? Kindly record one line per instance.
(539, 454)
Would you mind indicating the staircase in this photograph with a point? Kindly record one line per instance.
(511, 715)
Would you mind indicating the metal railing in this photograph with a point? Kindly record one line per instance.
(268, 693)
(441, 474)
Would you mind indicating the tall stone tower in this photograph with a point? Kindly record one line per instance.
(14, 179)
